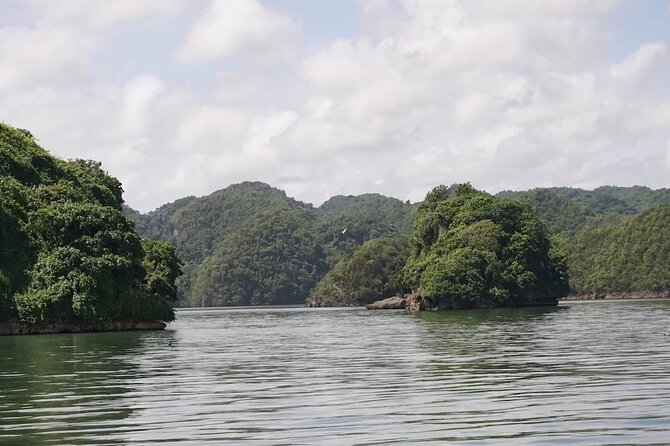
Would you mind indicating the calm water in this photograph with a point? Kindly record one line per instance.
(582, 373)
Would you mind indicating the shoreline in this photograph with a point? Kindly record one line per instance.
(628, 295)
(10, 328)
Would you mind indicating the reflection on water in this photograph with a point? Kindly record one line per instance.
(582, 373)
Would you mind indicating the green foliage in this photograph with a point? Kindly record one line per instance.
(22, 159)
(162, 267)
(274, 259)
(617, 200)
(400, 215)
(66, 249)
(348, 222)
(141, 305)
(99, 185)
(471, 249)
(560, 213)
(631, 256)
(568, 211)
(457, 278)
(203, 229)
(372, 272)
(200, 228)
(197, 226)
(15, 250)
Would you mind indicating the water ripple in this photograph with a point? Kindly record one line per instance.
(582, 373)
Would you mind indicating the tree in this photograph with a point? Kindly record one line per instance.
(66, 250)
(274, 259)
(372, 272)
(472, 250)
(632, 256)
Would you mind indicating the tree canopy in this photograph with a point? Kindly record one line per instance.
(568, 211)
(472, 250)
(206, 230)
(631, 256)
(370, 273)
(203, 229)
(274, 259)
(66, 249)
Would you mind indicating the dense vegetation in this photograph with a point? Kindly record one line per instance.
(631, 256)
(473, 250)
(66, 250)
(372, 272)
(274, 259)
(228, 252)
(568, 211)
(243, 243)
(346, 222)
(197, 226)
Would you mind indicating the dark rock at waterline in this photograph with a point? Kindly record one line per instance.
(414, 303)
(17, 328)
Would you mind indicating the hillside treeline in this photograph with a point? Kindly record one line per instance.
(250, 244)
(67, 253)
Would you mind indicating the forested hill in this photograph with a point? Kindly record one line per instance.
(569, 210)
(250, 244)
(255, 245)
(67, 253)
(630, 256)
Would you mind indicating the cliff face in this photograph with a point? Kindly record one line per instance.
(17, 328)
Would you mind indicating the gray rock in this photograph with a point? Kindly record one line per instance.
(392, 303)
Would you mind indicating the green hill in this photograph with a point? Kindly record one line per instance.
(627, 257)
(231, 258)
(230, 238)
(569, 210)
(346, 222)
(370, 273)
(66, 250)
(197, 227)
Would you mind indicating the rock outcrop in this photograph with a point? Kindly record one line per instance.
(413, 303)
(392, 303)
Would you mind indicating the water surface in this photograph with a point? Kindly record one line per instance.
(582, 373)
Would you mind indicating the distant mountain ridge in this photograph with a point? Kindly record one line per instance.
(202, 228)
(570, 210)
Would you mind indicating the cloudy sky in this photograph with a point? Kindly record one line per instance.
(333, 97)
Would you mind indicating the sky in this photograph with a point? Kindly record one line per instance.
(320, 98)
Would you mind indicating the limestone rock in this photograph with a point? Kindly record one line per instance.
(392, 303)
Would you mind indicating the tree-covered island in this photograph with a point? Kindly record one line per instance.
(473, 250)
(69, 259)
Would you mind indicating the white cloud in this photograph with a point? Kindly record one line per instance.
(33, 56)
(635, 65)
(240, 27)
(138, 96)
(211, 129)
(57, 48)
(102, 14)
(507, 95)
